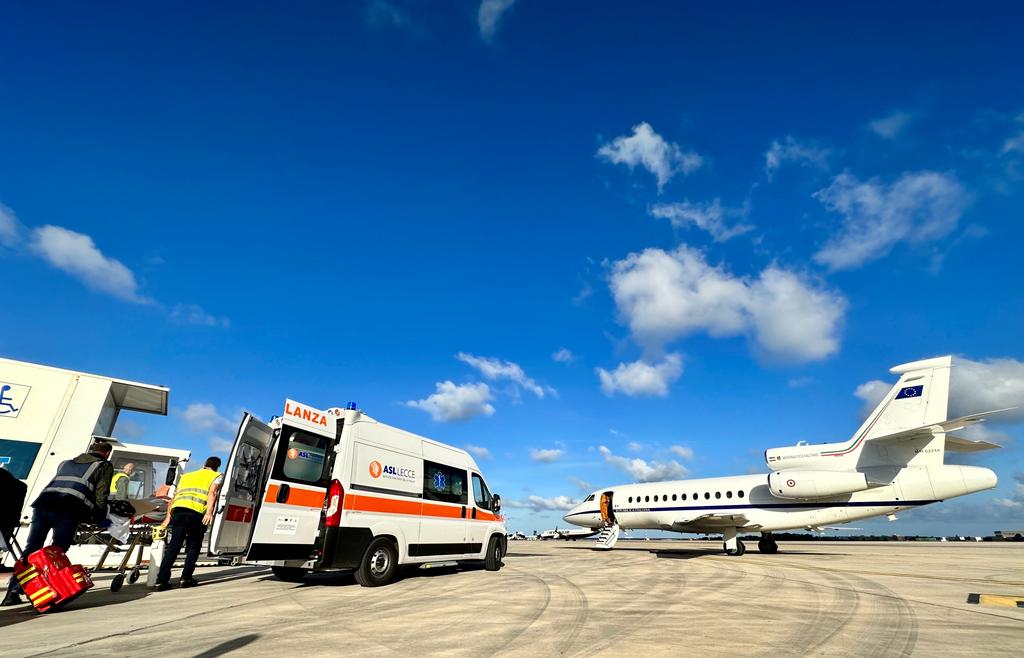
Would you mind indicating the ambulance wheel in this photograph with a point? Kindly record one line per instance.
(115, 584)
(133, 576)
(492, 561)
(379, 564)
(290, 574)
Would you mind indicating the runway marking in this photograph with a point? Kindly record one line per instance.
(996, 599)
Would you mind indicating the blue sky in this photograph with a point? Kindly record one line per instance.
(731, 223)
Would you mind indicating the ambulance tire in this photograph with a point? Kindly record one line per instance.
(492, 561)
(290, 574)
(379, 564)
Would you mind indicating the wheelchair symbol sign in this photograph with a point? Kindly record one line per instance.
(12, 399)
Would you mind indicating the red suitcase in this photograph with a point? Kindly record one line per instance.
(49, 579)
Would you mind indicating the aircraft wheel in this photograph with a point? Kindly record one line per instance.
(771, 547)
(738, 551)
(115, 584)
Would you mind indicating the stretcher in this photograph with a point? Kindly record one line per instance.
(143, 525)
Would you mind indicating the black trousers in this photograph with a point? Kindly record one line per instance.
(186, 528)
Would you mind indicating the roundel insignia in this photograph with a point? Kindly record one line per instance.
(293, 453)
(790, 483)
(375, 469)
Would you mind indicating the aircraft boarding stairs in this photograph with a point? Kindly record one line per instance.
(607, 538)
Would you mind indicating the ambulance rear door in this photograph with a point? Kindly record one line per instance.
(288, 517)
(243, 487)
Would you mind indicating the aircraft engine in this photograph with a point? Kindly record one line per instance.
(815, 484)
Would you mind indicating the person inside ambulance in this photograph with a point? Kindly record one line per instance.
(190, 512)
(119, 484)
(76, 494)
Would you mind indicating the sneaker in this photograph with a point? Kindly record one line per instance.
(191, 582)
(11, 598)
(162, 587)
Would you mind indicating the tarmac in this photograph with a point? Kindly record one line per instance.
(563, 598)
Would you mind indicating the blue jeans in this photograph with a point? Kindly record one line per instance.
(43, 521)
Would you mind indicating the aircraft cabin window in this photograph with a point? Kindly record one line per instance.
(655, 498)
(728, 494)
(740, 493)
(630, 499)
(647, 499)
(718, 494)
(673, 497)
(707, 496)
(682, 497)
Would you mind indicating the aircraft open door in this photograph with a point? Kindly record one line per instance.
(242, 489)
(607, 512)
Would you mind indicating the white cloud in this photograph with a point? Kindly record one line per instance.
(650, 150)
(1015, 143)
(640, 378)
(800, 382)
(709, 217)
(195, 314)
(540, 504)
(10, 227)
(220, 445)
(644, 471)
(77, 255)
(987, 385)
(891, 125)
(493, 369)
(563, 355)
(682, 452)
(1016, 500)
(453, 402)
(545, 455)
(490, 15)
(381, 13)
(667, 295)
(806, 154)
(202, 417)
(582, 485)
(478, 451)
(919, 207)
(633, 446)
(872, 392)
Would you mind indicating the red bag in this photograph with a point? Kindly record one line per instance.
(49, 579)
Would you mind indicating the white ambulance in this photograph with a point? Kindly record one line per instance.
(323, 490)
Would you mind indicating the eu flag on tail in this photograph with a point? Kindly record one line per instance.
(910, 392)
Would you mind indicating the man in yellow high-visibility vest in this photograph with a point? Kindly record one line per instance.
(119, 483)
(195, 501)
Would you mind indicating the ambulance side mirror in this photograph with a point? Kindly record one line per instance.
(496, 503)
(172, 473)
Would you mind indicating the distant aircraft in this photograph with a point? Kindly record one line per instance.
(516, 535)
(569, 534)
(892, 463)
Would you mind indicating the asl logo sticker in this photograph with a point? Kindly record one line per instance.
(12, 399)
(375, 469)
(293, 453)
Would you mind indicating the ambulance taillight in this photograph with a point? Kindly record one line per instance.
(335, 499)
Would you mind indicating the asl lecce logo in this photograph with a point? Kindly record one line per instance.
(375, 469)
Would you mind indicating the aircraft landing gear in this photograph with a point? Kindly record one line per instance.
(766, 544)
(731, 545)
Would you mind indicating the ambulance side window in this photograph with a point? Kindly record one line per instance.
(444, 483)
(301, 457)
(480, 493)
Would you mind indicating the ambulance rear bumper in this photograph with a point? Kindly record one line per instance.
(344, 547)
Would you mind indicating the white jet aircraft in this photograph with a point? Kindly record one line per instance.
(893, 462)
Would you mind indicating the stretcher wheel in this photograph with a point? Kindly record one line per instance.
(115, 584)
(133, 576)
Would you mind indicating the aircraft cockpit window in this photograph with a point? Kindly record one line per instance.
(589, 498)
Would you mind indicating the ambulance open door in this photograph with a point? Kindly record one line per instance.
(242, 490)
(289, 515)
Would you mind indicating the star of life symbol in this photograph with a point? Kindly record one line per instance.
(439, 481)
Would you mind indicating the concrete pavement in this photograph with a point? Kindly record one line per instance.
(561, 598)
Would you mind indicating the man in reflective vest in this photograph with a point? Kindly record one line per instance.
(195, 501)
(119, 484)
(77, 493)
